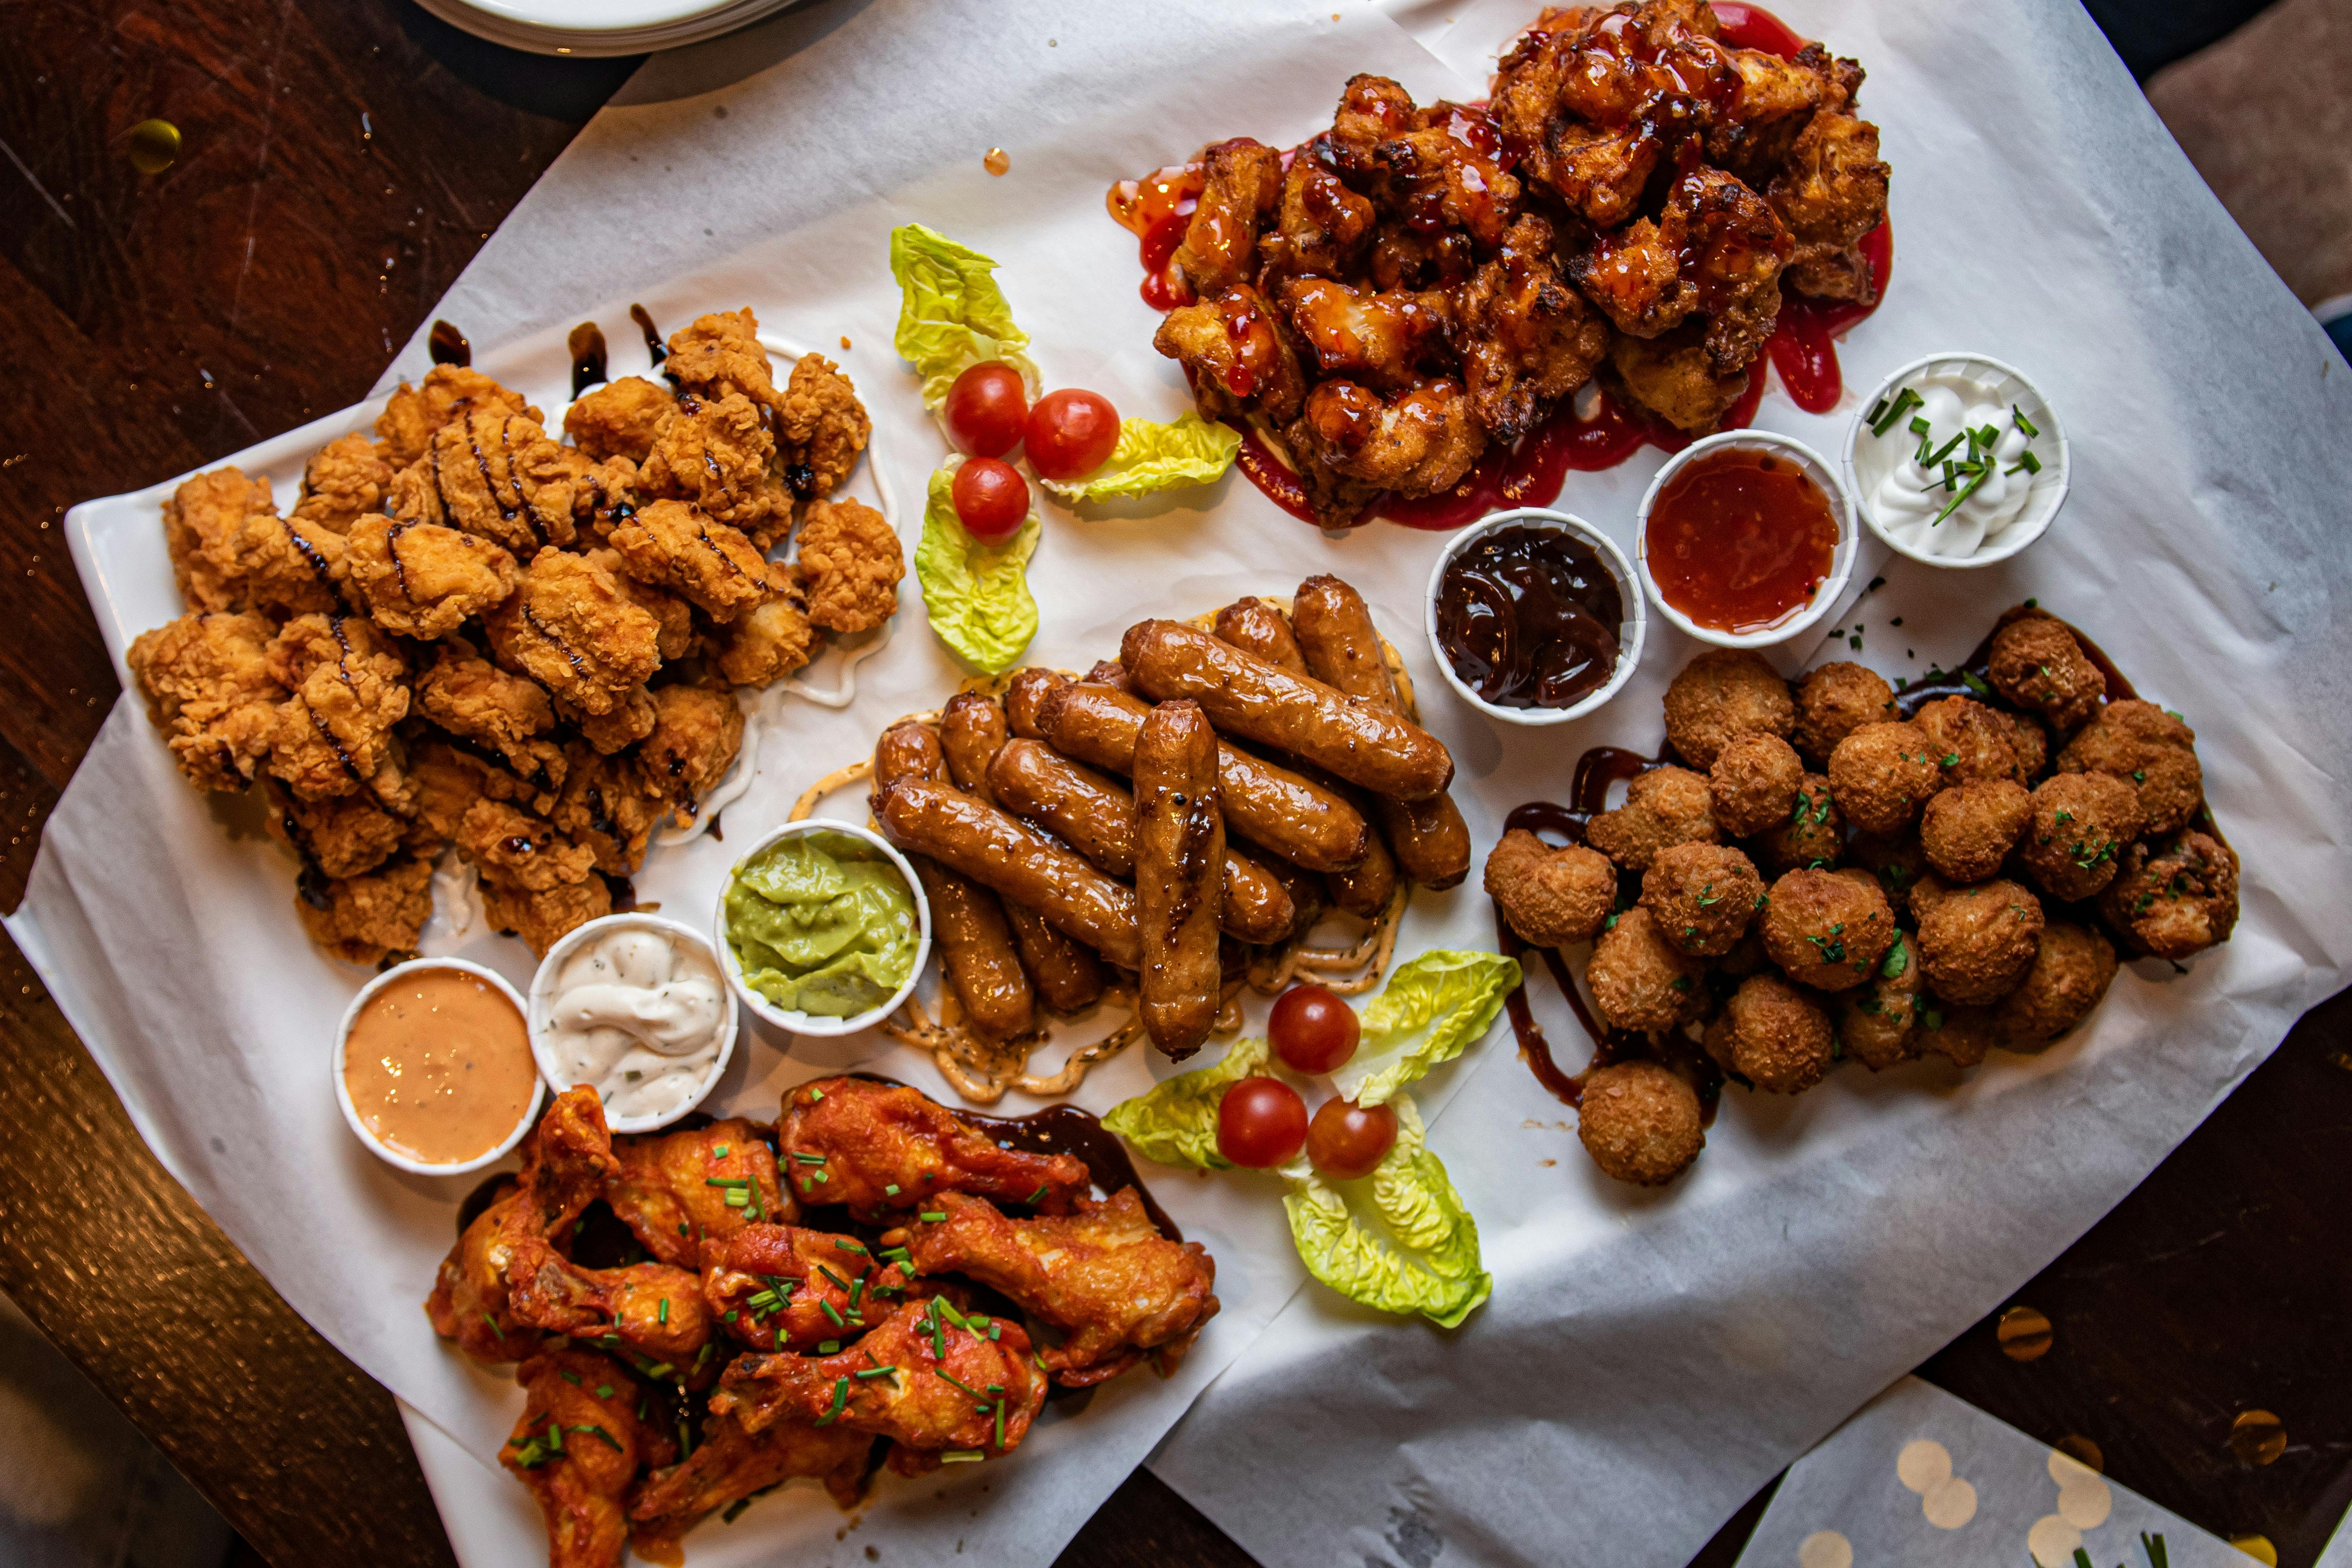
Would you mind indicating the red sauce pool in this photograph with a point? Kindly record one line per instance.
(1156, 209)
(1740, 539)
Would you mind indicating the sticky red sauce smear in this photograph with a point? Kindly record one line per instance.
(1740, 539)
(1803, 349)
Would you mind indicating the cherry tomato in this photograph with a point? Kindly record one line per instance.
(1312, 1029)
(991, 499)
(1261, 1122)
(987, 408)
(1071, 433)
(1346, 1140)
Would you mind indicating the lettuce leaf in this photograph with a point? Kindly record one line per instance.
(1432, 1009)
(1175, 1122)
(1154, 457)
(976, 595)
(952, 315)
(1400, 1241)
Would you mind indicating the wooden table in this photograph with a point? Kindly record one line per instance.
(340, 164)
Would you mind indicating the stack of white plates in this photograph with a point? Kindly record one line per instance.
(600, 26)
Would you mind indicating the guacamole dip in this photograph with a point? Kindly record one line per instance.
(821, 924)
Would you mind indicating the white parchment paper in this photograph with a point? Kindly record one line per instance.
(1648, 1359)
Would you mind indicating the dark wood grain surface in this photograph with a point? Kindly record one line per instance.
(340, 164)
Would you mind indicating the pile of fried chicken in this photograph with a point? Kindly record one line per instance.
(1961, 878)
(753, 1343)
(465, 631)
(1416, 283)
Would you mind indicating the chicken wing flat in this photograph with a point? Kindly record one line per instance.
(467, 696)
(569, 626)
(578, 1447)
(679, 1190)
(1235, 355)
(731, 1464)
(821, 428)
(720, 456)
(849, 566)
(649, 1309)
(1527, 338)
(675, 546)
(1104, 1275)
(1241, 185)
(772, 638)
(619, 419)
(880, 1147)
(447, 393)
(208, 688)
(929, 1376)
(543, 919)
(1417, 443)
(782, 1287)
(342, 836)
(367, 919)
(422, 579)
(334, 735)
(345, 481)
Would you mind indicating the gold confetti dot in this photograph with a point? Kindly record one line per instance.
(1950, 1505)
(2024, 1334)
(1923, 1465)
(2257, 1547)
(2083, 1451)
(2052, 1539)
(1825, 1549)
(2257, 1437)
(997, 161)
(154, 146)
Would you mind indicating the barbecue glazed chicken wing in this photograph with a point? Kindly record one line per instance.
(1118, 1289)
(1235, 355)
(882, 1147)
(1241, 185)
(1715, 251)
(577, 1448)
(1527, 338)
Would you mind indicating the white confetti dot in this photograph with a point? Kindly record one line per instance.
(1923, 1465)
(2053, 1539)
(1950, 1505)
(2085, 1503)
(1825, 1549)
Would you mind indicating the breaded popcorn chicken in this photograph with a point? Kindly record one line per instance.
(208, 688)
(422, 579)
(771, 639)
(345, 481)
(619, 418)
(497, 475)
(720, 456)
(569, 627)
(449, 393)
(367, 919)
(675, 546)
(849, 564)
(231, 550)
(820, 429)
(469, 697)
(334, 734)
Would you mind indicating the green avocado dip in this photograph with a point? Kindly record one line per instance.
(821, 924)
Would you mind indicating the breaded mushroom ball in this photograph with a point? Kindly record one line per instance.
(2075, 841)
(1976, 942)
(2174, 897)
(2029, 740)
(1828, 929)
(1754, 783)
(1968, 740)
(1898, 863)
(1664, 806)
(1812, 834)
(2038, 664)
(1882, 774)
(1721, 696)
(1640, 1123)
(1773, 1035)
(1961, 1035)
(1969, 830)
(2152, 748)
(1834, 701)
(1701, 896)
(2071, 972)
(1641, 981)
(1552, 897)
(1879, 1026)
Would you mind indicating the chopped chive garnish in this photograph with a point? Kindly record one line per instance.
(719, 1152)
(961, 1457)
(840, 1400)
(571, 1377)
(659, 1369)
(2023, 423)
(833, 1277)
(554, 1437)
(815, 1095)
(1876, 410)
(603, 1391)
(995, 1331)
(877, 1372)
(947, 1311)
(891, 1189)
(932, 1215)
(830, 1312)
(663, 1315)
(738, 1198)
(599, 1433)
(735, 1510)
(960, 1383)
(1943, 452)
(1038, 1196)
(2028, 462)
(494, 1325)
(844, 1244)
(1000, 1427)
(808, 1159)
(830, 1347)
(725, 1181)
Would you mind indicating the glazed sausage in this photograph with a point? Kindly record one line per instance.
(977, 950)
(1096, 816)
(1342, 650)
(1296, 818)
(1305, 889)
(1245, 696)
(1257, 627)
(1366, 887)
(1066, 974)
(1110, 673)
(1023, 692)
(1017, 861)
(1180, 847)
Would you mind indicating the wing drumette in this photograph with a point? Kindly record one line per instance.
(782, 1287)
(878, 1146)
(577, 1448)
(731, 1464)
(1105, 1275)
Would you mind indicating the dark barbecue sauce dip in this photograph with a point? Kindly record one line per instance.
(1529, 618)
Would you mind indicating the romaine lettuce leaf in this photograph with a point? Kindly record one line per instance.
(976, 595)
(952, 315)
(1154, 457)
(1431, 1010)
(1175, 1122)
(1399, 1240)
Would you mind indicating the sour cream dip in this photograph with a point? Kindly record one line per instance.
(1957, 461)
(636, 1008)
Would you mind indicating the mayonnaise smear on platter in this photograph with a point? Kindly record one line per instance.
(637, 1013)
